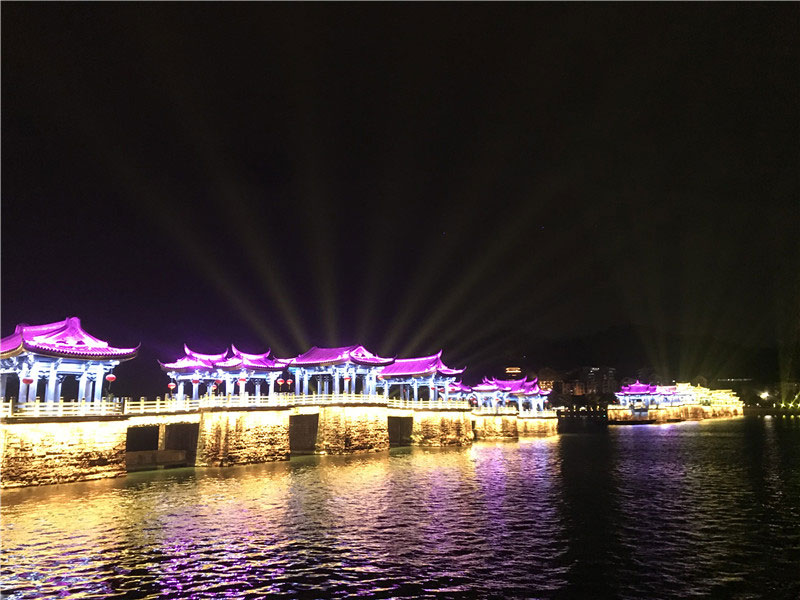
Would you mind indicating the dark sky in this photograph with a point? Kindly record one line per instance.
(501, 181)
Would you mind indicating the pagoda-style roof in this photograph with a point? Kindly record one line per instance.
(318, 357)
(213, 358)
(517, 387)
(253, 362)
(458, 387)
(638, 388)
(62, 339)
(417, 367)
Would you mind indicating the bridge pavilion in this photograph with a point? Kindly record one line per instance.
(497, 392)
(412, 373)
(337, 370)
(50, 353)
(215, 369)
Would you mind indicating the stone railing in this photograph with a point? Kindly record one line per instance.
(63, 408)
(429, 404)
(512, 410)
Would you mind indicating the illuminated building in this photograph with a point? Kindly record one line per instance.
(337, 369)
(643, 395)
(497, 392)
(412, 373)
(214, 369)
(50, 353)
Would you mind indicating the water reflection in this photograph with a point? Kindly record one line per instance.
(640, 512)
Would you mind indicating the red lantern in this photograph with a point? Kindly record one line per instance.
(213, 386)
(218, 381)
(243, 380)
(111, 378)
(195, 381)
(289, 382)
(380, 376)
(27, 380)
(347, 379)
(280, 381)
(171, 385)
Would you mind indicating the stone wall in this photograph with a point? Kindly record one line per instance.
(61, 450)
(441, 428)
(239, 437)
(347, 429)
(536, 427)
(495, 426)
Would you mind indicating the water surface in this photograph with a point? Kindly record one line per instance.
(707, 510)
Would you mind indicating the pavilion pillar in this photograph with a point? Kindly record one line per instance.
(432, 393)
(3, 381)
(98, 383)
(336, 381)
(82, 386)
(271, 390)
(327, 384)
(195, 390)
(416, 391)
(305, 383)
(228, 385)
(180, 391)
(32, 388)
(297, 376)
(447, 391)
(59, 380)
(258, 389)
(50, 394)
(386, 390)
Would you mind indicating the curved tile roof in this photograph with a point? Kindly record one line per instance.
(62, 338)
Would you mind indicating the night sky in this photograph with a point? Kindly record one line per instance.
(544, 185)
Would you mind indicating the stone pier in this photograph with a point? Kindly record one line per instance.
(346, 429)
(242, 436)
(441, 428)
(61, 450)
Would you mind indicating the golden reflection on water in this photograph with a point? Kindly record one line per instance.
(621, 514)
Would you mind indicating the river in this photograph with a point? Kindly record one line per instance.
(697, 509)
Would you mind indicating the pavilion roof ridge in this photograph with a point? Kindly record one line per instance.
(61, 338)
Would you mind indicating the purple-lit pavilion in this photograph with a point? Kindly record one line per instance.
(52, 352)
(336, 370)
(214, 369)
(497, 392)
(412, 373)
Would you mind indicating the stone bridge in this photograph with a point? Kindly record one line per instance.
(63, 442)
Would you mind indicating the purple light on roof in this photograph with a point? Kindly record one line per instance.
(423, 365)
(336, 356)
(638, 388)
(208, 357)
(63, 338)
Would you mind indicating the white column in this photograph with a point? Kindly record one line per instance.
(195, 390)
(34, 374)
(386, 389)
(416, 391)
(50, 394)
(305, 384)
(3, 381)
(336, 381)
(59, 381)
(258, 389)
(228, 385)
(271, 391)
(82, 386)
(241, 388)
(98, 383)
(432, 388)
(297, 383)
(180, 391)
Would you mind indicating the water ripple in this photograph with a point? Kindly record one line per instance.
(707, 510)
